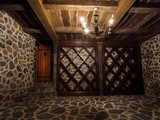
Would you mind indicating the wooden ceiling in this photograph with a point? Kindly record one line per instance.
(24, 15)
(138, 15)
(60, 19)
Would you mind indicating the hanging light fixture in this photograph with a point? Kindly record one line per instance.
(96, 28)
(86, 30)
(82, 19)
(84, 25)
(111, 22)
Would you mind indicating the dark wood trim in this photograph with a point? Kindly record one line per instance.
(44, 17)
(31, 30)
(55, 64)
(52, 62)
(11, 7)
(147, 5)
(140, 77)
(99, 3)
(100, 66)
(74, 44)
(81, 2)
(126, 43)
(96, 42)
(151, 29)
(78, 94)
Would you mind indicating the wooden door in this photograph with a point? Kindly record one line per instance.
(44, 64)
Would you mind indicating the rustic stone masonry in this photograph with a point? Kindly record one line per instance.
(150, 54)
(82, 108)
(17, 58)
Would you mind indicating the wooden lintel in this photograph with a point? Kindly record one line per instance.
(143, 10)
(109, 9)
(126, 31)
(150, 32)
(32, 30)
(44, 17)
(80, 30)
(81, 2)
(11, 7)
(69, 30)
(147, 5)
(99, 3)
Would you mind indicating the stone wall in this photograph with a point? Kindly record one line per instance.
(150, 53)
(17, 58)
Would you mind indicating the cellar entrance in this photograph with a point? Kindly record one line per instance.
(99, 68)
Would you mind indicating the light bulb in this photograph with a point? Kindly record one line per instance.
(111, 21)
(84, 24)
(82, 19)
(86, 30)
(112, 16)
(95, 9)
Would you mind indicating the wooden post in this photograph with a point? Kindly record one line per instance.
(100, 66)
(55, 66)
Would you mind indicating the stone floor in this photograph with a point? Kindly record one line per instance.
(82, 108)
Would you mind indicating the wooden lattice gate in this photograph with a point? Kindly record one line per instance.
(98, 68)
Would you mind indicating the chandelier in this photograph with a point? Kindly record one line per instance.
(96, 28)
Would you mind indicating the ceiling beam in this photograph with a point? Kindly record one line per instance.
(11, 7)
(80, 30)
(44, 17)
(77, 30)
(69, 30)
(148, 32)
(32, 30)
(147, 5)
(80, 7)
(136, 32)
(109, 9)
(123, 8)
(143, 10)
(100, 3)
(126, 31)
(81, 2)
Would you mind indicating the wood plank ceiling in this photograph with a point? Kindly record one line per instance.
(24, 15)
(140, 19)
(65, 15)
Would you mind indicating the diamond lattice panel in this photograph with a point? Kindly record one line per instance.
(77, 69)
(119, 70)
